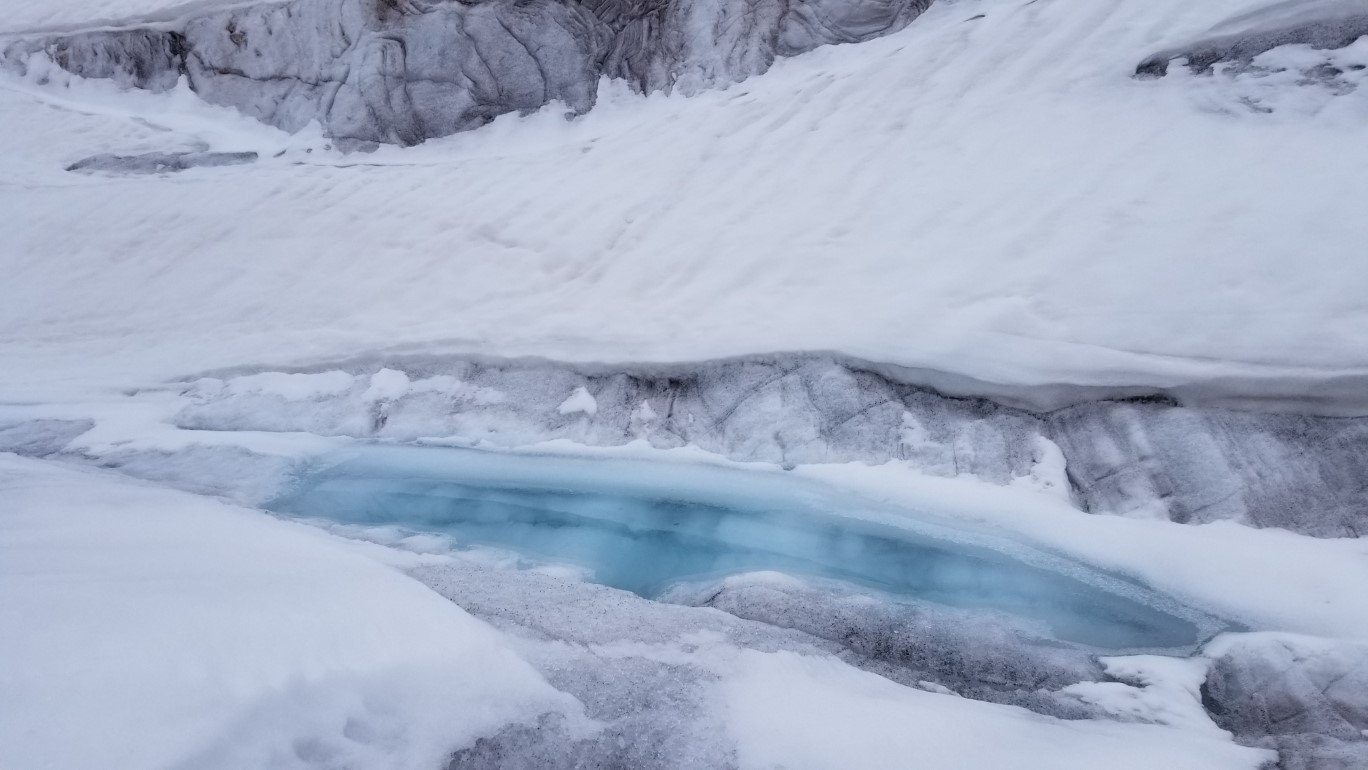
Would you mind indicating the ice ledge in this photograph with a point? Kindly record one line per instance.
(1145, 456)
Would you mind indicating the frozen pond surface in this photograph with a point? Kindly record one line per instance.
(644, 527)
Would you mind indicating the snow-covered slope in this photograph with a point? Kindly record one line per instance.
(146, 628)
(988, 192)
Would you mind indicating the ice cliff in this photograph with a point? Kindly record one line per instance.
(1146, 456)
(401, 71)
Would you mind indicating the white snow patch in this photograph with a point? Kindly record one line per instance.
(1049, 474)
(580, 401)
(1154, 689)
(387, 385)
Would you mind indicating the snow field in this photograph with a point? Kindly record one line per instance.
(867, 199)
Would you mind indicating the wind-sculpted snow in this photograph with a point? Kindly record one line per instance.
(866, 199)
(1140, 457)
(401, 71)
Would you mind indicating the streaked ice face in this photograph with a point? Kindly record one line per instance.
(644, 527)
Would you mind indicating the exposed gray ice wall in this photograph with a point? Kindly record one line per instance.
(1147, 456)
(1308, 700)
(1320, 24)
(401, 71)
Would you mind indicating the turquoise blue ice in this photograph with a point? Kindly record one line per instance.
(643, 527)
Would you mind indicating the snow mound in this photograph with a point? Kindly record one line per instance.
(805, 713)
(146, 628)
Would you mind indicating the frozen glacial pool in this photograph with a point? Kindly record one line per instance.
(644, 527)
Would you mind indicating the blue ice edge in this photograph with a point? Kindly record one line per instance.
(644, 526)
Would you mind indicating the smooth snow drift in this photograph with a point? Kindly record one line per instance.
(648, 534)
(146, 629)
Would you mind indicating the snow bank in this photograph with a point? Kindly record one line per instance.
(146, 628)
(1316, 587)
(806, 713)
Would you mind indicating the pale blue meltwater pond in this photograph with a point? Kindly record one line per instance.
(643, 527)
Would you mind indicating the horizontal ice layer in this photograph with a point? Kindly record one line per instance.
(1143, 457)
(645, 528)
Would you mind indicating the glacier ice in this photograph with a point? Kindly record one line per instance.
(401, 71)
(1144, 456)
(1305, 697)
